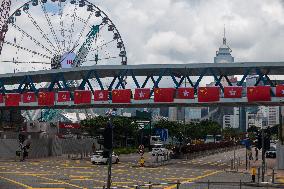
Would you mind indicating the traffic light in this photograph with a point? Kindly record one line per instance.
(101, 138)
(22, 138)
(108, 137)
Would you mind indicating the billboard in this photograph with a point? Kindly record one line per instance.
(69, 128)
(67, 60)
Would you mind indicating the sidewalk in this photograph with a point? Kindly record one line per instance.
(270, 165)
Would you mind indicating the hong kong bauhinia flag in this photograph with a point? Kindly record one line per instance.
(12, 99)
(46, 98)
(258, 93)
(208, 94)
(101, 95)
(82, 97)
(185, 93)
(280, 91)
(142, 94)
(63, 96)
(29, 97)
(164, 94)
(233, 92)
(121, 96)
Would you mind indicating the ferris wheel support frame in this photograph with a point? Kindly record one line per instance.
(4, 15)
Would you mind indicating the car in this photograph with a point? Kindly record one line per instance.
(271, 153)
(159, 150)
(100, 157)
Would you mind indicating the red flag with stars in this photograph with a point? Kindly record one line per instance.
(63, 96)
(208, 94)
(164, 94)
(82, 97)
(12, 99)
(233, 92)
(121, 96)
(101, 95)
(258, 93)
(185, 93)
(280, 91)
(46, 98)
(29, 97)
(142, 94)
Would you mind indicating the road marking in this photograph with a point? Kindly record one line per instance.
(194, 179)
(62, 182)
(50, 183)
(15, 182)
(122, 182)
(45, 188)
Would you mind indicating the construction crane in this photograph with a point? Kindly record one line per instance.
(4, 15)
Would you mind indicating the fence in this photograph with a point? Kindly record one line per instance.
(46, 147)
(205, 185)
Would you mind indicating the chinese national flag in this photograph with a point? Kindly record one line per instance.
(63, 96)
(121, 96)
(164, 94)
(101, 95)
(185, 93)
(46, 98)
(258, 93)
(280, 91)
(142, 94)
(233, 92)
(82, 97)
(29, 97)
(208, 94)
(12, 99)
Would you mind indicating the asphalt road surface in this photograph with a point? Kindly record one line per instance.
(62, 173)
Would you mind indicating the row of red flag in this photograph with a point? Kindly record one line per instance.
(205, 94)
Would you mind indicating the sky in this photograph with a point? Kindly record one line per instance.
(190, 31)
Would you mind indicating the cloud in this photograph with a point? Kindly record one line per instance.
(182, 31)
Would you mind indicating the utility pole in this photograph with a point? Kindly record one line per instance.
(111, 115)
(263, 155)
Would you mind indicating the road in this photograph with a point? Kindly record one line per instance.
(62, 173)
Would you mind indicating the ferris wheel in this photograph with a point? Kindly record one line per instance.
(55, 34)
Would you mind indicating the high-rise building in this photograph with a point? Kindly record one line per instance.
(223, 55)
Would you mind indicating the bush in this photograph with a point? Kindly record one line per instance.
(125, 150)
(203, 147)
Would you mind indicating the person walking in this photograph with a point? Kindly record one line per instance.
(253, 173)
(256, 154)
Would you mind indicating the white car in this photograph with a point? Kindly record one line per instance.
(99, 158)
(159, 149)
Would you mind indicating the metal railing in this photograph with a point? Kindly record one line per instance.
(204, 185)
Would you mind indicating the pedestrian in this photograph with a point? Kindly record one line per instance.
(256, 154)
(250, 154)
(94, 147)
(142, 161)
(253, 173)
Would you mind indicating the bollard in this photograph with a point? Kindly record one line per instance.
(150, 185)
(232, 164)
(258, 174)
(273, 173)
(240, 184)
(157, 158)
(178, 184)
(208, 184)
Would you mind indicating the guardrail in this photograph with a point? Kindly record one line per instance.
(204, 184)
